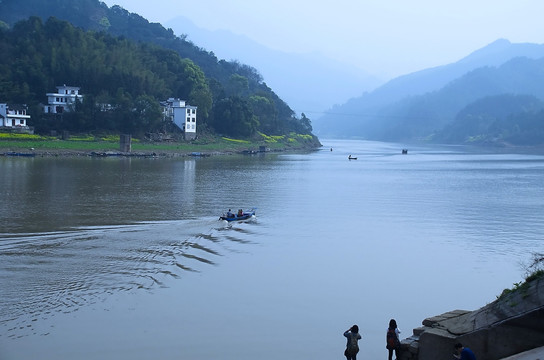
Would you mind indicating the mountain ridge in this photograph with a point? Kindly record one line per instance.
(367, 109)
(310, 82)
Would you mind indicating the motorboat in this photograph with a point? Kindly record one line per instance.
(239, 216)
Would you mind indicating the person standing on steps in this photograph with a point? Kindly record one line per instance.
(392, 339)
(352, 346)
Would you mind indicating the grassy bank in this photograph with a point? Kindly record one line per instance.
(205, 144)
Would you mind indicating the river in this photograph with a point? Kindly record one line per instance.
(125, 258)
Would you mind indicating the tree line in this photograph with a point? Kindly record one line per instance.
(506, 118)
(132, 77)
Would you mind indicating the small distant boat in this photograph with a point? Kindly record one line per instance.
(241, 215)
(404, 151)
(249, 152)
(12, 153)
(352, 158)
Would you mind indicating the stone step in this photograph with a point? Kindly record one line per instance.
(533, 354)
(418, 331)
(430, 322)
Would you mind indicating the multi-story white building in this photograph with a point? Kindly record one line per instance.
(64, 100)
(13, 116)
(181, 114)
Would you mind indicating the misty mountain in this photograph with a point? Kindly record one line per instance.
(425, 115)
(507, 118)
(395, 110)
(309, 83)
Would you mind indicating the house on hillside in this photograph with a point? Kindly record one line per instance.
(14, 117)
(181, 114)
(64, 100)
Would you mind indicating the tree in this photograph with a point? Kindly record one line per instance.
(122, 76)
(238, 85)
(199, 94)
(305, 125)
(233, 117)
(147, 115)
(266, 113)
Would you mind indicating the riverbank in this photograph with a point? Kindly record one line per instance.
(133, 154)
(208, 146)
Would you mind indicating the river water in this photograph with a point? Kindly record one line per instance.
(125, 258)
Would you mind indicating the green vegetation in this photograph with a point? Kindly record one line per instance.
(514, 119)
(125, 66)
(521, 287)
(23, 137)
(534, 271)
(25, 142)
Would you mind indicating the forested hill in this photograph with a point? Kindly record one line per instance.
(492, 105)
(492, 96)
(119, 58)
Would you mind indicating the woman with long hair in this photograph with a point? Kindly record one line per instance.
(392, 339)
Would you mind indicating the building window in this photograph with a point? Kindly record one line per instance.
(188, 111)
(194, 111)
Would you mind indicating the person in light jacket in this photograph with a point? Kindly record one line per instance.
(352, 347)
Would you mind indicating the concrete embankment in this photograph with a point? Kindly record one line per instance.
(510, 327)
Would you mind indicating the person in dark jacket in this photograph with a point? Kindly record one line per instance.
(463, 353)
(392, 339)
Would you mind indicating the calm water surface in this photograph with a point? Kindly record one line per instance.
(118, 258)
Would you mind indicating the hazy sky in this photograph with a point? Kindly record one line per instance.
(383, 37)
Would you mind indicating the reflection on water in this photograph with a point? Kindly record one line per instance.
(62, 271)
(140, 240)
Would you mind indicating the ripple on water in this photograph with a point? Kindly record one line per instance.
(47, 273)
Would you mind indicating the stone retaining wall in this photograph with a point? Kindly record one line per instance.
(508, 326)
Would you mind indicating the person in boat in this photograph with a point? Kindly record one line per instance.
(230, 214)
(240, 212)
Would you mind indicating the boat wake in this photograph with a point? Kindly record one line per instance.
(45, 273)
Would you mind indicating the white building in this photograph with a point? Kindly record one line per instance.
(13, 116)
(64, 100)
(181, 114)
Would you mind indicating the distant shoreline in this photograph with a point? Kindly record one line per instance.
(9, 152)
(77, 146)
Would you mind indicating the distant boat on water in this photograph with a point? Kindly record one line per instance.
(352, 158)
(12, 153)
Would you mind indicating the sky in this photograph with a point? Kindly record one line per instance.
(386, 38)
